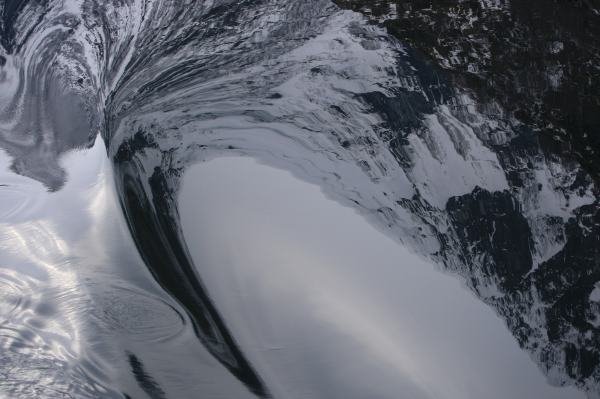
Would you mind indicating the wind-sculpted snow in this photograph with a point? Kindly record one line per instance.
(320, 92)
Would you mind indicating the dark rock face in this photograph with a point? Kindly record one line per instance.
(538, 59)
(493, 235)
(548, 307)
(534, 69)
(565, 283)
(402, 112)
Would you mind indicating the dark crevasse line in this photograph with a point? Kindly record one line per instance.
(146, 382)
(154, 226)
